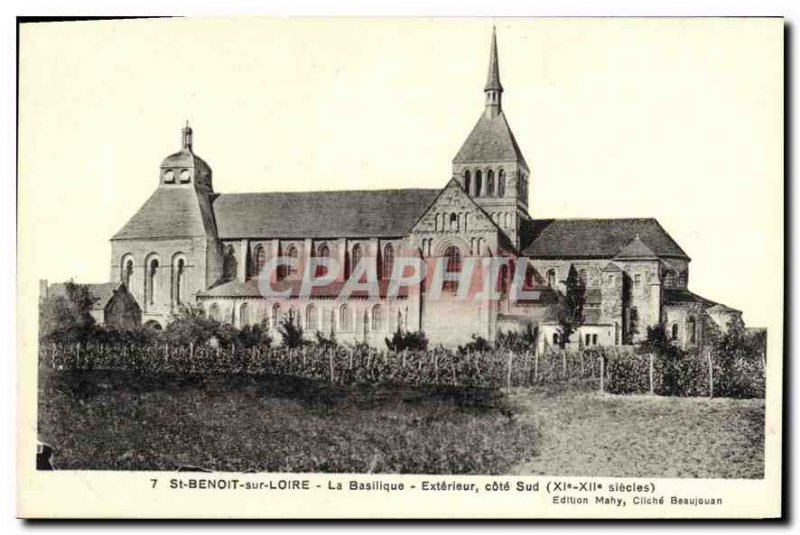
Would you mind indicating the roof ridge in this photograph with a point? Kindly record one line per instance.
(343, 191)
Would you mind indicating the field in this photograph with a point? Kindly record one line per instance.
(120, 421)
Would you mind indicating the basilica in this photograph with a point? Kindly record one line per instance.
(191, 245)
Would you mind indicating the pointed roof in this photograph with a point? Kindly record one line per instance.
(169, 213)
(493, 76)
(491, 140)
(636, 249)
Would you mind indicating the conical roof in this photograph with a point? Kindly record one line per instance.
(491, 140)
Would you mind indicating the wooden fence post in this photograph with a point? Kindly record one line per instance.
(602, 374)
(330, 359)
(191, 356)
(435, 367)
(536, 366)
(652, 386)
(510, 362)
(582, 370)
(563, 363)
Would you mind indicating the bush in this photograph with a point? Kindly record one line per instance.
(411, 340)
(479, 344)
(516, 341)
(738, 364)
(291, 331)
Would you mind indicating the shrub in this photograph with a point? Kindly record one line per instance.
(738, 365)
(412, 340)
(479, 344)
(326, 341)
(252, 336)
(518, 341)
(291, 331)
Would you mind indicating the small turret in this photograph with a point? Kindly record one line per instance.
(185, 167)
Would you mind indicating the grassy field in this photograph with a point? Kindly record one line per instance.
(588, 434)
(114, 421)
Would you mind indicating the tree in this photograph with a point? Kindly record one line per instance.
(291, 331)
(570, 308)
(190, 325)
(67, 317)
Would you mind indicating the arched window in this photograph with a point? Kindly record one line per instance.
(452, 266)
(674, 333)
(213, 312)
(345, 319)
(292, 254)
(489, 182)
(669, 278)
(152, 281)
(276, 315)
(377, 318)
(692, 328)
(261, 260)
(501, 183)
(323, 251)
(453, 221)
(127, 271)
(551, 278)
(530, 277)
(244, 315)
(365, 321)
(356, 257)
(311, 317)
(180, 272)
(467, 180)
(503, 279)
(683, 279)
(478, 184)
(388, 261)
(555, 339)
(229, 263)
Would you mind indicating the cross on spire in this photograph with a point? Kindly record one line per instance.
(187, 136)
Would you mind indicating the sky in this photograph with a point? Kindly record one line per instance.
(676, 119)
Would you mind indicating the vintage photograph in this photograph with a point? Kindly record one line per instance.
(436, 247)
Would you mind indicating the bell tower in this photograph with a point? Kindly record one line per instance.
(185, 168)
(490, 165)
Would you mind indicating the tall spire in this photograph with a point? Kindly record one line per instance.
(493, 89)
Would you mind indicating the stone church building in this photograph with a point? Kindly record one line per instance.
(189, 244)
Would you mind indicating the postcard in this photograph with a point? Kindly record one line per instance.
(400, 268)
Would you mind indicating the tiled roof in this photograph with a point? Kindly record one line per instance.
(674, 296)
(491, 140)
(595, 238)
(171, 212)
(636, 249)
(102, 292)
(321, 214)
(250, 288)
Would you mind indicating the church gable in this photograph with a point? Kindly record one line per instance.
(454, 211)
